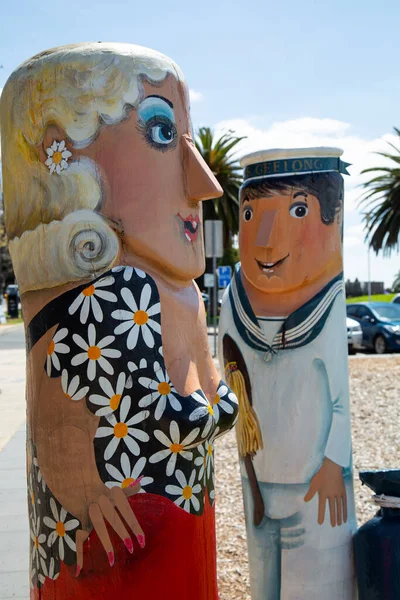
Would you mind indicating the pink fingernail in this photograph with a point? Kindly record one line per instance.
(142, 540)
(129, 544)
(78, 570)
(138, 480)
(111, 558)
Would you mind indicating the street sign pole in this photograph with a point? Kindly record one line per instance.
(215, 295)
(214, 250)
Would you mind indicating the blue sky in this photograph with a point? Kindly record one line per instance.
(284, 74)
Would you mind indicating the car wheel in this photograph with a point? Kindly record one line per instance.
(351, 349)
(380, 345)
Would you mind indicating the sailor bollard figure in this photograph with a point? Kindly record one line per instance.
(283, 345)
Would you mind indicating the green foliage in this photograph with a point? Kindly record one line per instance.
(382, 203)
(219, 156)
(375, 298)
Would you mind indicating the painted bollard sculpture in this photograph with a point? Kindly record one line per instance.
(103, 189)
(377, 542)
(283, 345)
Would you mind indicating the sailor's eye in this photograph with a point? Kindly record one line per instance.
(299, 210)
(247, 214)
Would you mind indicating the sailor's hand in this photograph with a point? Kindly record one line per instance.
(329, 484)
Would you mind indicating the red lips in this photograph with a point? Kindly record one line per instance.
(190, 226)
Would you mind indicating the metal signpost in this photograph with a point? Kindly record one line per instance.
(214, 250)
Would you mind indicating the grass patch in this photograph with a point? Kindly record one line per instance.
(376, 298)
(12, 321)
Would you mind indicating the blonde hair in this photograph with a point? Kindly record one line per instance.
(80, 88)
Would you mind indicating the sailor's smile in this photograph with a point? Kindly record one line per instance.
(190, 226)
(269, 267)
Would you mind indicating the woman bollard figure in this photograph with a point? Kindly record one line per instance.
(103, 189)
(283, 346)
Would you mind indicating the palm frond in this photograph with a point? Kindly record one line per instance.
(381, 199)
(219, 155)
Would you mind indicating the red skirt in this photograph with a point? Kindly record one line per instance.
(178, 561)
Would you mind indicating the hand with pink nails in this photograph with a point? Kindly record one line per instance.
(111, 505)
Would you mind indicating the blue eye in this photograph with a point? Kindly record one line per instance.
(156, 121)
(162, 133)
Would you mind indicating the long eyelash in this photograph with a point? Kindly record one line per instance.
(143, 127)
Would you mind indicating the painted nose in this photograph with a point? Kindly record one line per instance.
(200, 183)
(266, 230)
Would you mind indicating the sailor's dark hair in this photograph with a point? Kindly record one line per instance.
(326, 187)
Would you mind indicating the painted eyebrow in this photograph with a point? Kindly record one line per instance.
(297, 194)
(162, 98)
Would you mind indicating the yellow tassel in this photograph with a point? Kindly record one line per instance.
(248, 432)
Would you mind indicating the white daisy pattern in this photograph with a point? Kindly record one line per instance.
(123, 430)
(128, 272)
(47, 572)
(87, 300)
(186, 492)
(138, 319)
(112, 398)
(162, 392)
(220, 403)
(38, 538)
(71, 388)
(40, 477)
(204, 410)
(128, 473)
(201, 461)
(55, 347)
(95, 353)
(57, 157)
(60, 529)
(209, 449)
(174, 446)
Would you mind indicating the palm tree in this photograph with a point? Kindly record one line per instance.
(382, 203)
(219, 157)
(396, 283)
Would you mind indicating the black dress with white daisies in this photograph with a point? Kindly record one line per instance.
(107, 352)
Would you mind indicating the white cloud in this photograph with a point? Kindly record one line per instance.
(359, 151)
(350, 241)
(195, 96)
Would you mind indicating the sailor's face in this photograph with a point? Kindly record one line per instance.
(284, 245)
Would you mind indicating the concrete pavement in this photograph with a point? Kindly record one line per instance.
(14, 530)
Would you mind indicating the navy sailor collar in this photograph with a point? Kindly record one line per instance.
(299, 329)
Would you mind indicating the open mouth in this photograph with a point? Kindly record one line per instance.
(269, 267)
(190, 226)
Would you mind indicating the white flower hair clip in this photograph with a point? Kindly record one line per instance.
(58, 157)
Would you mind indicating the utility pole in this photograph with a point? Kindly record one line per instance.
(368, 218)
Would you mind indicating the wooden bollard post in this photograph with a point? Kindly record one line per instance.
(284, 347)
(103, 189)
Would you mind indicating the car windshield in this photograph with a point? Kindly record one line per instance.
(391, 312)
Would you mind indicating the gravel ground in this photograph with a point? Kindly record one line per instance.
(375, 406)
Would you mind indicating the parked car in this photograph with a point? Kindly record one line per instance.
(380, 324)
(396, 299)
(354, 335)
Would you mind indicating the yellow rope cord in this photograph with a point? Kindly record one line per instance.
(247, 427)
